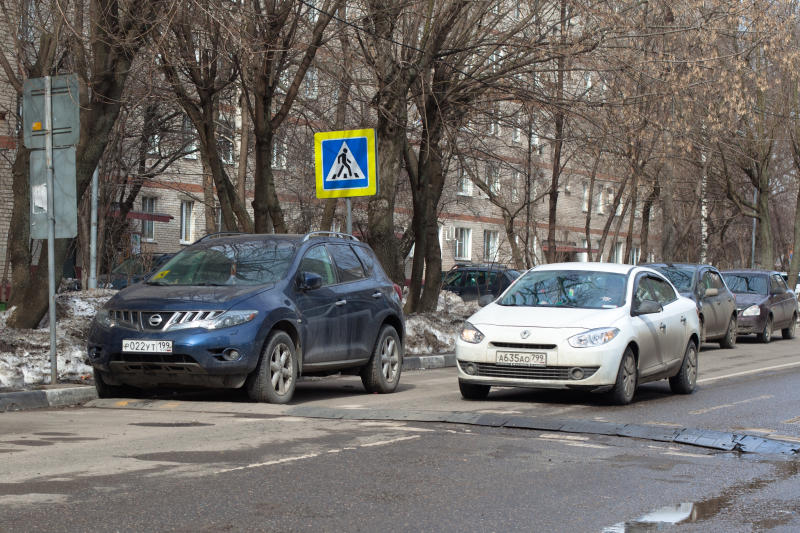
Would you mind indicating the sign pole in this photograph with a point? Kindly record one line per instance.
(349, 216)
(51, 225)
(93, 235)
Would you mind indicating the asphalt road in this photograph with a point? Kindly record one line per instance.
(216, 462)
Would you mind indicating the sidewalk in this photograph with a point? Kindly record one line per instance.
(63, 395)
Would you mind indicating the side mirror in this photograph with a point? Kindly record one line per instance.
(309, 281)
(645, 307)
(711, 291)
(485, 300)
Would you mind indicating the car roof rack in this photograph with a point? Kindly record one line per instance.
(217, 235)
(337, 234)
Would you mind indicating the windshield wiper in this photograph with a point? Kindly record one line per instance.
(156, 283)
(209, 284)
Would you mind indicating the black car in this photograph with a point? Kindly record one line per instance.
(471, 282)
(764, 301)
(716, 305)
(253, 311)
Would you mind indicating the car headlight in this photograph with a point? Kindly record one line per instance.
(225, 320)
(471, 334)
(594, 337)
(753, 310)
(103, 317)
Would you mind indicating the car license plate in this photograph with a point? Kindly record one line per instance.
(522, 358)
(139, 346)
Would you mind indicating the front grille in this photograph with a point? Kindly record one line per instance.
(523, 346)
(158, 320)
(527, 372)
(152, 358)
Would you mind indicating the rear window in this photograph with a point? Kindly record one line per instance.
(680, 276)
(746, 283)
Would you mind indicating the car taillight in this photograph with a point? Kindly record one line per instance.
(399, 291)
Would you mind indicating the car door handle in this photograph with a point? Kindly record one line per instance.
(377, 294)
(683, 320)
(663, 327)
(340, 303)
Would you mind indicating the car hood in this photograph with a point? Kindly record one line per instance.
(747, 299)
(185, 297)
(547, 317)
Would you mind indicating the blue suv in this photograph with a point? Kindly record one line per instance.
(253, 311)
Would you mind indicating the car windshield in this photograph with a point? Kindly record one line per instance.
(130, 267)
(746, 283)
(567, 288)
(681, 277)
(232, 263)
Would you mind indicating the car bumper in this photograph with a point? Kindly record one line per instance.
(197, 358)
(566, 367)
(746, 325)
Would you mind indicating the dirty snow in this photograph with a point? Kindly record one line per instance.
(25, 354)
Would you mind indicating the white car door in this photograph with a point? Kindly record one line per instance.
(674, 318)
(649, 329)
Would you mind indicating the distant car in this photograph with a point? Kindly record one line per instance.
(764, 302)
(253, 311)
(132, 270)
(600, 327)
(471, 282)
(716, 305)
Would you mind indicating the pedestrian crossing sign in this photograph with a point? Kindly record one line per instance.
(346, 163)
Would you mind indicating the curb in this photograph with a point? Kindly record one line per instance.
(424, 362)
(40, 399)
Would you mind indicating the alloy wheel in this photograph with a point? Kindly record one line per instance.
(390, 359)
(280, 366)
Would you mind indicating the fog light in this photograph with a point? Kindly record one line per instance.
(470, 368)
(576, 373)
(232, 355)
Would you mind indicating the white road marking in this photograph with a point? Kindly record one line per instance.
(716, 407)
(391, 441)
(270, 463)
(687, 454)
(559, 436)
(748, 372)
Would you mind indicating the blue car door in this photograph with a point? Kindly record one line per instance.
(358, 298)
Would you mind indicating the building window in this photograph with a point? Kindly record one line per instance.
(599, 205)
(490, 245)
(278, 154)
(585, 205)
(584, 255)
(515, 181)
(464, 185)
(312, 83)
(463, 243)
(148, 206)
(189, 138)
(636, 254)
(187, 221)
(493, 178)
(225, 147)
(516, 134)
(616, 253)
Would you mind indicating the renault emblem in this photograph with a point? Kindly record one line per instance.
(155, 320)
(524, 333)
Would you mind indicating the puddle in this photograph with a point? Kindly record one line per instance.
(170, 424)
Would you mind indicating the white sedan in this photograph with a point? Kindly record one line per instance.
(600, 327)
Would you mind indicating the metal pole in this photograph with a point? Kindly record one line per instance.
(753, 236)
(349, 216)
(93, 234)
(51, 224)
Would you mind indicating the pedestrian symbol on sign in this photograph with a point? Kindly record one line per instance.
(346, 168)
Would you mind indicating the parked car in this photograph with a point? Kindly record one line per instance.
(132, 270)
(600, 327)
(253, 311)
(716, 305)
(764, 303)
(471, 282)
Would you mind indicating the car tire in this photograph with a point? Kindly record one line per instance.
(685, 380)
(275, 378)
(729, 340)
(382, 373)
(473, 391)
(104, 390)
(627, 379)
(789, 332)
(766, 334)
